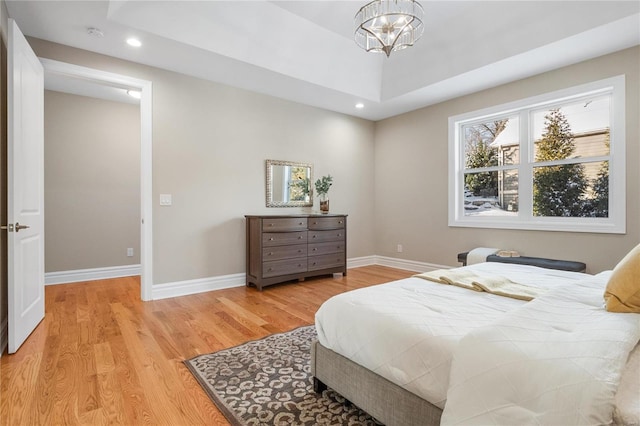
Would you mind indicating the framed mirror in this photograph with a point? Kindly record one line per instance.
(289, 184)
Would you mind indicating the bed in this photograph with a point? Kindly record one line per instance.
(407, 350)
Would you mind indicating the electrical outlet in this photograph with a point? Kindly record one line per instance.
(399, 248)
(129, 252)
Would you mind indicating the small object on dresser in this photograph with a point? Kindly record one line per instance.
(322, 188)
(324, 203)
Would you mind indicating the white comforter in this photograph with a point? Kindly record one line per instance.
(408, 330)
(556, 361)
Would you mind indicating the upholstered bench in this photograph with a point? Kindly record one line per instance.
(563, 265)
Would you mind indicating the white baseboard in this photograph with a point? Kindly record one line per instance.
(358, 262)
(200, 285)
(409, 265)
(64, 277)
(392, 262)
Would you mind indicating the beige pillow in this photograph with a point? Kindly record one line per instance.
(623, 289)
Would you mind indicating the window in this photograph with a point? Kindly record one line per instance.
(553, 162)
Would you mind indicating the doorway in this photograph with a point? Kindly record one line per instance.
(145, 88)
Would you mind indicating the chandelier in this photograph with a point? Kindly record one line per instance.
(388, 25)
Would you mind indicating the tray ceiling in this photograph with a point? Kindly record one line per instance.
(304, 50)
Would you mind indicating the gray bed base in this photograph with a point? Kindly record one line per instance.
(385, 401)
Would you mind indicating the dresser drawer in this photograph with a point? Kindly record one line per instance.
(327, 222)
(284, 224)
(284, 267)
(326, 248)
(284, 252)
(326, 261)
(283, 238)
(322, 236)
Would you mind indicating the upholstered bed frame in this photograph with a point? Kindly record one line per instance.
(385, 401)
(382, 399)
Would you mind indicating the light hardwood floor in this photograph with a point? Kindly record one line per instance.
(101, 356)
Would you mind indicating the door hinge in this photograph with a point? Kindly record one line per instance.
(8, 227)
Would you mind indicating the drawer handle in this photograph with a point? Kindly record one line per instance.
(313, 236)
(314, 263)
(300, 237)
(315, 249)
(270, 253)
(339, 235)
(340, 222)
(299, 265)
(270, 269)
(271, 239)
(299, 251)
(300, 223)
(271, 224)
(315, 223)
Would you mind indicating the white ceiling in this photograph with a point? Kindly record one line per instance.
(304, 51)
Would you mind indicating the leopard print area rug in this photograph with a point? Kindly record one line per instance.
(268, 382)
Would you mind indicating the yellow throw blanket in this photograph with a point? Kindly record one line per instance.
(495, 284)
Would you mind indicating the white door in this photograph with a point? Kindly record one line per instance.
(25, 198)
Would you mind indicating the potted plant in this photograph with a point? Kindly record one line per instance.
(322, 188)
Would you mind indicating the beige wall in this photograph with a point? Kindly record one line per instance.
(92, 182)
(411, 177)
(210, 143)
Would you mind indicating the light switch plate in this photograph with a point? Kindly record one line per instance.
(165, 199)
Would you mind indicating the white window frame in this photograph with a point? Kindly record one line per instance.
(614, 224)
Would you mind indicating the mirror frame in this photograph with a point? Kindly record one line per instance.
(269, 185)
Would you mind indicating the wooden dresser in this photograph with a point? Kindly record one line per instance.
(283, 248)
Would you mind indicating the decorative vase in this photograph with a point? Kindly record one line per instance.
(324, 203)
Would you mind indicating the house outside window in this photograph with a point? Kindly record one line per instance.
(553, 162)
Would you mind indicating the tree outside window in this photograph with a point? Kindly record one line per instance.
(558, 190)
(572, 189)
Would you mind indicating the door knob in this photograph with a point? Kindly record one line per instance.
(18, 227)
(10, 227)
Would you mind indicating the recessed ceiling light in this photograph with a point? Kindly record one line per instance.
(134, 42)
(360, 105)
(134, 94)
